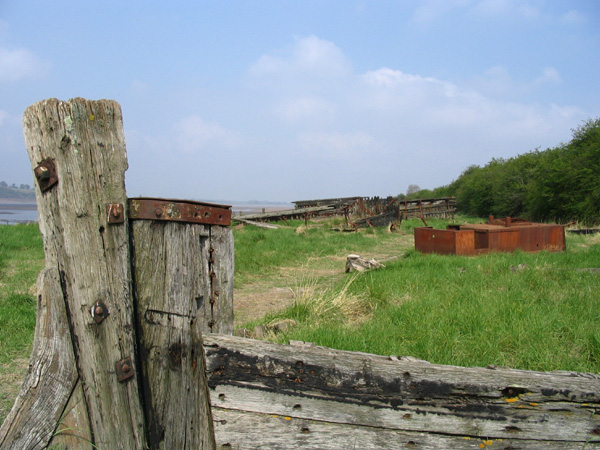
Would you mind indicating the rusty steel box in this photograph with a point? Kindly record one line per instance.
(498, 235)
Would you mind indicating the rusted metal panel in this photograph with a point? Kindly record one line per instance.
(146, 208)
(445, 242)
(542, 237)
(498, 235)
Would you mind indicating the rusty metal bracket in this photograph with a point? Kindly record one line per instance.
(99, 311)
(45, 174)
(144, 208)
(115, 213)
(124, 369)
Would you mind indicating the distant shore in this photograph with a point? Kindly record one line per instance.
(15, 204)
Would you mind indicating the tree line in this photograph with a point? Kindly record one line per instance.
(560, 184)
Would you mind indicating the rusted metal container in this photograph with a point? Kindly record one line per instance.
(498, 235)
(445, 242)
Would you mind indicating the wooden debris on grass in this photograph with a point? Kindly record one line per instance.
(359, 264)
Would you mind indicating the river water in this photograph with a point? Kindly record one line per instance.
(13, 213)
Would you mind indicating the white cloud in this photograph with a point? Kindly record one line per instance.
(336, 145)
(549, 75)
(194, 134)
(306, 108)
(310, 56)
(19, 64)
(391, 89)
(413, 114)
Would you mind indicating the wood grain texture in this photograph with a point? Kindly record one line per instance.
(396, 394)
(173, 286)
(222, 264)
(243, 430)
(73, 430)
(51, 377)
(86, 142)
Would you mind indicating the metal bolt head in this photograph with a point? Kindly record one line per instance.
(124, 369)
(99, 311)
(42, 173)
(158, 212)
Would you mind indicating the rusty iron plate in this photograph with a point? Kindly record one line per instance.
(114, 213)
(124, 369)
(146, 208)
(46, 174)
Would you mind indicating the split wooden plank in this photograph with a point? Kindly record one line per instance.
(52, 373)
(173, 286)
(237, 430)
(362, 390)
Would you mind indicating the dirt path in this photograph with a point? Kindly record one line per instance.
(278, 290)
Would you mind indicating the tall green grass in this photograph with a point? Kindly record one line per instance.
(535, 311)
(21, 259)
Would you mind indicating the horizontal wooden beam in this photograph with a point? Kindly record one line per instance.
(356, 393)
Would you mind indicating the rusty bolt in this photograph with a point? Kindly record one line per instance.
(125, 368)
(42, 173)
(116, 213)
(99, 311)
(158, 212)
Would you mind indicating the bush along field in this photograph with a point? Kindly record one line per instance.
(536, 311)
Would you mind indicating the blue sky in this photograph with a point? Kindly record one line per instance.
(291, 100)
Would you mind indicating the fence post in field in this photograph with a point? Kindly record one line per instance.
(88, 385)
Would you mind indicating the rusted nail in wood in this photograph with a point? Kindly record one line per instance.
(45, 173)
(114, 213)
(124, 369)
(99, 311)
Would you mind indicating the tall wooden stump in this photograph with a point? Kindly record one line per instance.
(87, 378)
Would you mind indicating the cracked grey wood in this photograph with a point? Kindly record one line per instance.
(173, 288)
(364, 392)
(51, 377)
(86, 142)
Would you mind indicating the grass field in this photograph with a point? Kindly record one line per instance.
(21, 259)
(536, 311)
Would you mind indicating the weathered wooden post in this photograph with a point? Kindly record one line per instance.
(183, 259)
(89, 385)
